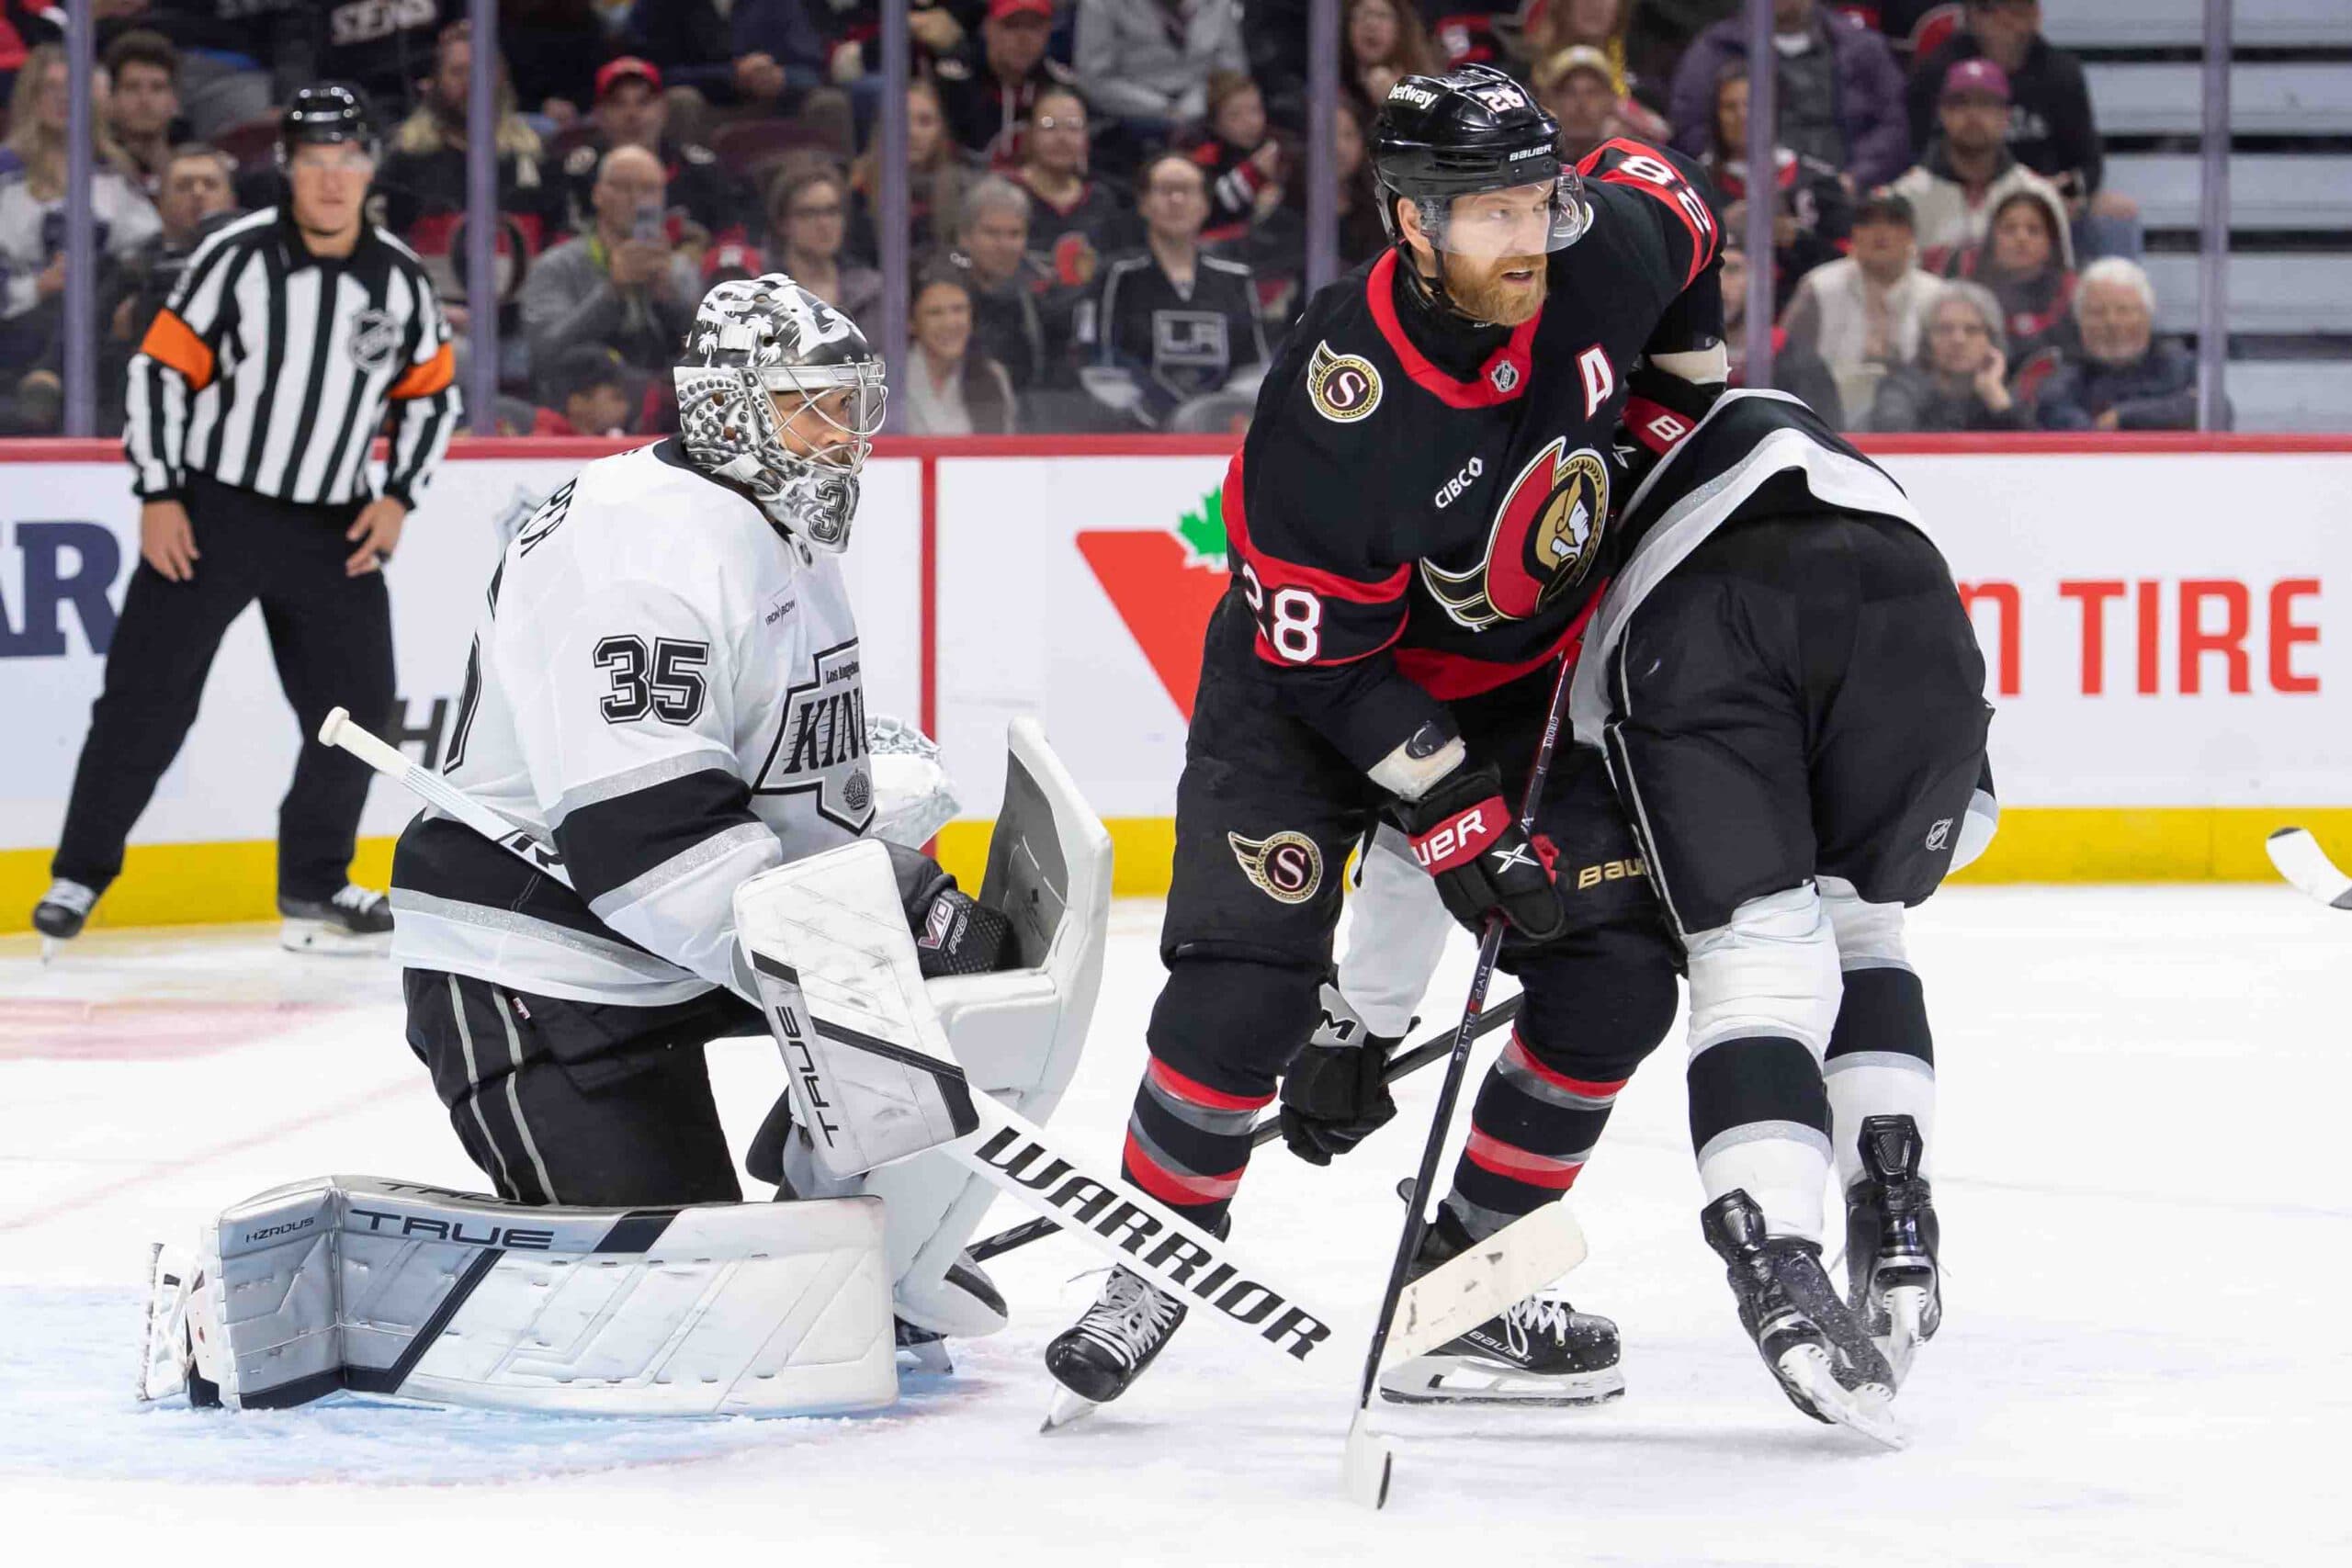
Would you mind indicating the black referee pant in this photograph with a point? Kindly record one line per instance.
(331, 635)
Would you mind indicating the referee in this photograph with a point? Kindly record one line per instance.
(252, 402)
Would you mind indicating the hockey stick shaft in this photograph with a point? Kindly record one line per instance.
(338, 731)
(1268, 1129)
(1490, 942)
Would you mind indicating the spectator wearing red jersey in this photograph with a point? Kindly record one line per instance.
(423, 178)
(1241, 162)
(1074, 219)
(2027, 259)
(1812, 213)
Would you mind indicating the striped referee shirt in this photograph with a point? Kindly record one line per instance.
(271, 369)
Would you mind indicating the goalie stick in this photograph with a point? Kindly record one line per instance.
(1269, 1127)
(1122, 1224)
(1529, 1253)
(2302, 862)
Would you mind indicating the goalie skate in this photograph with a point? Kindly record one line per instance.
(1820, 1352)
(1893, 1283)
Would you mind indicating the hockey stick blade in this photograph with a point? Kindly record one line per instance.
(1517, 1260)
(2302, 862)
(1367, 1465)
(1271, 1127)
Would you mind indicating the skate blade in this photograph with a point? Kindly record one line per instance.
(1907, 1310)
(1068, 1407)
(1368, 1464)
(1868, 1409)
(49, 947)
(1457, 1380)
(325, 941)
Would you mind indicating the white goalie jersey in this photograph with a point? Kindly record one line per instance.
(665, 689)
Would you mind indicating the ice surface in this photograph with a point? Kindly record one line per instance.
(2140, 1169)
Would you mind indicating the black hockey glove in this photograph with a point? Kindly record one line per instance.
(954, 934)
(1470, 841)
(1334, 1096)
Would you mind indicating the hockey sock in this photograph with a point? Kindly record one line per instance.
(1882, 1062)
(1188, 1143)
(1759, 1120)
(1531, 1131)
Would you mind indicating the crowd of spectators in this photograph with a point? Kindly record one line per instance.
(1107, 197)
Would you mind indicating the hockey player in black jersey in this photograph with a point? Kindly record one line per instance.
(1418, 526)
(1792, 701)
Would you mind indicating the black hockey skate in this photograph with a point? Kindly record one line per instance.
(1095, 1358)
(1538, 1350)
(1892, 1279)
(354, 920)
(61, 913)
(1818, 1349)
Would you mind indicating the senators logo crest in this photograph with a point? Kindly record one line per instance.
(1547, 536)
(1344, 388)
(1286, 867)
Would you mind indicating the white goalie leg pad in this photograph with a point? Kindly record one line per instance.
(1397, 929)
(392, 1288)
(872, 1077)
(1018, 1033)
(1872, 1083)
(1771, 972)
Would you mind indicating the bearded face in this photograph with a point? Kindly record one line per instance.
(1506, 290)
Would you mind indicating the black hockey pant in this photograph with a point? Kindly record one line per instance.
(331, 635)
(573, 1102)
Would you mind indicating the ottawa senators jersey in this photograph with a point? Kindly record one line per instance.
(1405, 535)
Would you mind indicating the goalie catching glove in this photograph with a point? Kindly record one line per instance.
(1465, 836)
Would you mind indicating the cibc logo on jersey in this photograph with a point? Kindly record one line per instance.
(1546, 537)
(819, 748)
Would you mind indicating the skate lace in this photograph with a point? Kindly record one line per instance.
(356, 898)
(1128, 1318)
(1533, 1315)
(71, 895)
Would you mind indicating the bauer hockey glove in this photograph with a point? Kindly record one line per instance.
(1336, 1095)
(1467, 838)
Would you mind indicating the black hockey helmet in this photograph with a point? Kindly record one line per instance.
(1472, 130)
(323, 113)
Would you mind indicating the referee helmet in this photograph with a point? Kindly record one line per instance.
(323, 114)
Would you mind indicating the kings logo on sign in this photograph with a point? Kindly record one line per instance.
(1547, 536)
(819, 748)
(1344, 388)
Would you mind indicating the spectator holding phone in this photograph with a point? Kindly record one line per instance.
(620, 284)
(1960, 380)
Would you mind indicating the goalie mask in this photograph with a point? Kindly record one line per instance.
(779, 394)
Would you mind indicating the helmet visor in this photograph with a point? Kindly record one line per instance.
(1523, 221)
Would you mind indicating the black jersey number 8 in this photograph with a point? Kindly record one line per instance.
(666, 682)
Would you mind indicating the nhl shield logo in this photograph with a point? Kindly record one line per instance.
(1286, 867)
(1504, 376)
(1344, 388)
(375, 338)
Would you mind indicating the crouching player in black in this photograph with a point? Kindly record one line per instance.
(1417, 523)
(1792, 701)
